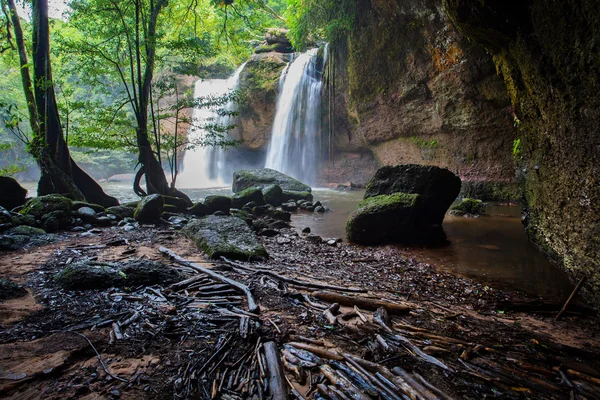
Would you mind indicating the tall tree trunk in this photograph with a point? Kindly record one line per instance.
(60, 173)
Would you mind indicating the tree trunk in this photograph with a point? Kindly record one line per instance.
(60, 173)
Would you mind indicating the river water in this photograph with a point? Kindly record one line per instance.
(492, 248)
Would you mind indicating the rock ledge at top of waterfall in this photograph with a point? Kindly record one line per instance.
(260, 178)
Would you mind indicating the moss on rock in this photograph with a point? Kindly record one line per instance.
(469, 207)
(239, 199)
(39, 206)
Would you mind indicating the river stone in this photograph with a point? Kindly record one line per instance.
(55, 220)
(279, 214)
(86, 213)
(149, 209)
(94, 275)
(79, 204)
(226, 236)
(11, 193)
(399, 217)
(10, 290)
(218, 203)
(437, 187)
(273, 194)
(180, 204)
(469, 207)
(121, 211)
(246, 196)
(39, 206)
(261, 178)
(296, 196)
(6, 220)
(198, 209)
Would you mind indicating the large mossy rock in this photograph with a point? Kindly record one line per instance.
(226, 236)
(40, 206)
(94, 275)
(149, 209)
(273, 195)
(21, 236)
(121, 211)
(198, 209)
(469, 207)
(438, 187)
(239, 199)
(217, 203)
(260, 178)
(11, 193)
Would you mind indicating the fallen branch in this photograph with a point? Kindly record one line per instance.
(252, 306)
(100, 358)
(277, 383)
(363, 302)
(570, 299)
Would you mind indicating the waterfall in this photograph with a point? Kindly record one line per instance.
(201, 164)
(294, 146)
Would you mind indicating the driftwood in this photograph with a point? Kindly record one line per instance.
(252, 306)
(343, 383)
(293, 281)
(277, 383)
(570, 299)
(363, 302)
(321, 352)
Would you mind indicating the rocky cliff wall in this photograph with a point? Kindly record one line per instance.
(548, 53)
(411, 89)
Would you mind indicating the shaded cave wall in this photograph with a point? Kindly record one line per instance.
(548, 53)
(410, 88)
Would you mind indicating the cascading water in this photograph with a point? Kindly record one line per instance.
(200, 163)
(294, 147)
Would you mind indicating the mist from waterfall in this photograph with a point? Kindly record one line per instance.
(201, 164)
(294, 146)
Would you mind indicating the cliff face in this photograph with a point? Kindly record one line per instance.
(411, 89)
(548, 53)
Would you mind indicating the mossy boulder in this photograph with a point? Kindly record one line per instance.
(180, 204)
(10, 290)
(295, 195)
(198, 209)
(22, 236)
(437, 187)
(19, 219)
(56, 220)
(80, 204)
(11, 193)
(149, 209)
(226, 236)
(469, 207)
(39, 206)
(273, 194)
(279, 214)
(398, 217)
(121, 211)
(94, 275)
(260, 178)
(218, 203)
(239, 199)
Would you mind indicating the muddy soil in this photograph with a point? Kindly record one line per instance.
(175, 342)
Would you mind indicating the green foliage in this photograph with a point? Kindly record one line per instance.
(517, 150)
(424, 144)
(319, 20)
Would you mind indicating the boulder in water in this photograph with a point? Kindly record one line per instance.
(149, 209)
(273, 194)
(260, 178)
(296, 196)
(246, 196)
(469, 207)
(218, 203)
(226, 236)
(397, 217)
(11, 193)
(437, 187)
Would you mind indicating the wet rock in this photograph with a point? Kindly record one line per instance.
(278, 225)
(259, 225)
(56, 220)
(296, 195)
(290, 206)
(40, 206)
(243, 214)
(149, 209)
(283, 240)
(95, 275)
(21, 236)
(261, 178)
(198, 209)
(6, 220)
(79, 204)
(273, 194)
(268, 232)
(279, 214)
(132, 204)
(259, 211)
(332, 242)
(227, 236)
(399, 217)
(11, 193)
(469, 207)
(218, 203)
(180, 205)
(245, 196)
(10, 290)
(306, 230)
(121, 211)
(314, 238)
(437, 187)
(86, 214)
(19, 219)
(170, 208)
(320, 209)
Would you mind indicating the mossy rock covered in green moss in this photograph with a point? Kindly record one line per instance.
(226, 236)
(21, 236)
(239, 199)
(94, 275)
(121, 211)
(149, 209)
(218, 203)
(198, 209)
(273, 194)
(39, 206)
(260, 178)
(80, 204)
(469, 207)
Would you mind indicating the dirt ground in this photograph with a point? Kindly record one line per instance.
(464, 338)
